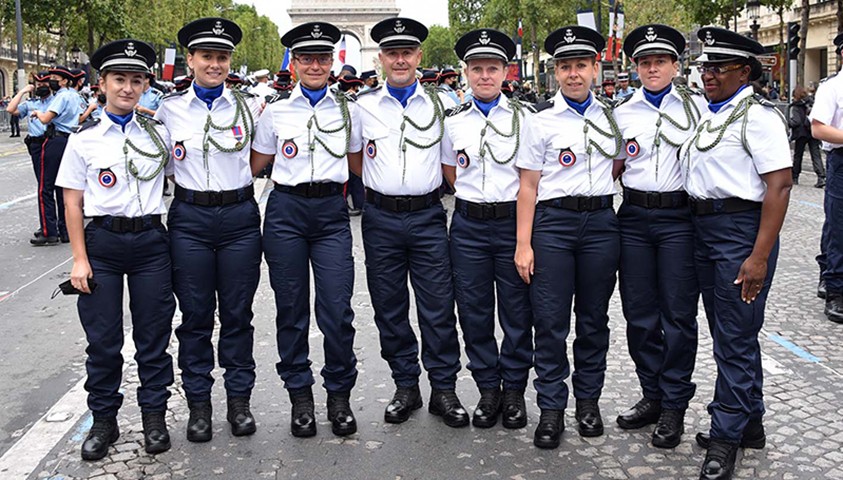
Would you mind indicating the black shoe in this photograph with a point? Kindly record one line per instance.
(550, 428)
(240, 417)
(645, 412)
(340, 414)
(719, 463)
(103, 433)
(753, 436)
(820, 183)
(354, 212)
(669, 430)
(514, 409)
(156, 438)
(834, 307)
(64, 238)
(405, 400)
(589, 421)
(488, 408)
(821, 292)
(303, 421)
(41, 241)
(199, 424)
(796, 181)
(446, 404)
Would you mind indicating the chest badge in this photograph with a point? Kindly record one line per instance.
(462, 159)
(289, 149)
(179, 152)
(237, 131)
(371, 149)
(632, 148)
(107, 178)
(567, 157)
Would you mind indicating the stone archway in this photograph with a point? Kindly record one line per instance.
(353, 17)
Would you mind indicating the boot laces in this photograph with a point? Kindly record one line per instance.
(153, 421)
(513, 397)
(338, 403)
(238, 405)
(102, 427)
(449, 399)
(669, 418)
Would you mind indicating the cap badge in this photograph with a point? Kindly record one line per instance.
(484, 38)
(651, 35)
(218, 28)
(399, 27)
(317, 32)
(709, 40)
(569, 36)
(130, 50)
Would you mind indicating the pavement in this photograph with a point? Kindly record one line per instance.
(43, 416)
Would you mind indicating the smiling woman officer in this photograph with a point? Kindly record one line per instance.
(737, 174)
(113, 171)
(214, 226)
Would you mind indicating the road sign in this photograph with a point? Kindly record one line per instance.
(767, 60)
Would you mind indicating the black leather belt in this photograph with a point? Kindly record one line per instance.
(312, 190)
(61, 134)
(722, 205)
(486, 211)
(215, 199)
(838, 150)
(655, 199)
(128, 224)
(580, 204)
(402, 203)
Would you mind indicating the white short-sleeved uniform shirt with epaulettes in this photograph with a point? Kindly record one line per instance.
(186, 117)
(98, 161)
(560, 144)
(386, 168)
(651, 139)
(828, 106)
(300, 136)
(485, 162)
(734, 166)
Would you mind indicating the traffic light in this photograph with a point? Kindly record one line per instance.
(792, 40)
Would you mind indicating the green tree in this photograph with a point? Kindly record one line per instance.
(643, 12)
(710, 11)
(464, 16)
(438, 48)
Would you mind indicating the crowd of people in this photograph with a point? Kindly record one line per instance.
(706, 179)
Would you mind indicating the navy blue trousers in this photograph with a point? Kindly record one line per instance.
(822, 258)
(659, 293)
(46, 158)
(299, 234)
(143, 258)
(833, 228)
(414, 243)
(482, 255)
(574, 252)
(216, 253)
(723, 242)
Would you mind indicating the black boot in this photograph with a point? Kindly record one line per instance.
(719, 463)
(589, 421)
(156, 438)
(41, 241)
(669, 430)
(240, 417)
(103, 433)
(550, 428)
(303, 421)
(645, 412)
(834, 306)
(514, 409)
(488, 408)
(405, 400)
(199, 424)
(446, 404)
(821, 292)
(340, 414)
(753, 436)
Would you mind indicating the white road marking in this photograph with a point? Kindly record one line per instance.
(7, 296)
(10, 203)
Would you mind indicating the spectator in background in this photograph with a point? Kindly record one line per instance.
(800, 133)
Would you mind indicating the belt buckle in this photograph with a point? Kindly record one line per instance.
(214, 199)
(653, 200)
(312, 190)
(583, 203)
(137, 224)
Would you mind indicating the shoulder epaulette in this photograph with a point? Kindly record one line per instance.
(458, 109)
(174, 94)
(543, 106)
(90, 122)
(828, 77)
(763, 101)
(371, 90)
(687, 90)
(351, 96)
(244, 93)
(622, 101)
(278, 96)
(149, 118)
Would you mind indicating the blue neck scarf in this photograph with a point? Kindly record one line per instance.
(314, 95)
(715, 107)
(121, 120)
(579, 107)
(208, 95)
(402, 94)
(486, 107)
(655, 98)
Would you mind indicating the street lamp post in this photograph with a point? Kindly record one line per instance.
(753, 9)
(19, 25)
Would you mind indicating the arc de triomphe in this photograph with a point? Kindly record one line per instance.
(353, 17)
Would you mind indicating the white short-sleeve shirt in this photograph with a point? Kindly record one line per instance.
(828, 106)
(728, 169)
(95, 163)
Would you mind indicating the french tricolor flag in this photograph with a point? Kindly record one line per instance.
(342, 50)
